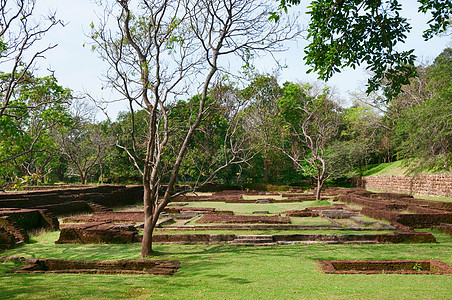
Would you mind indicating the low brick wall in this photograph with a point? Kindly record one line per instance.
(71, 201)
(422, 185)
(125, 266)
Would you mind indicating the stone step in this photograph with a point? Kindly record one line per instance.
(360, 242)
(263, 240)
(254, 237)
(243, 243)
(251, 241)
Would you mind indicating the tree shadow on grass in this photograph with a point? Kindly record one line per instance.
(236, 280)
(76, 286)
(223, 248)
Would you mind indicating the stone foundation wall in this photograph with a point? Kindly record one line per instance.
(422, 185)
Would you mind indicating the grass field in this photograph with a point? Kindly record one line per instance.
(230, 272)
(248, 208)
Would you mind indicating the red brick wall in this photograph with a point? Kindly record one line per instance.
(422, 185)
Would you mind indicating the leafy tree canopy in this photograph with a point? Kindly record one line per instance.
(348, 33)
(424, 131)
(36, 106)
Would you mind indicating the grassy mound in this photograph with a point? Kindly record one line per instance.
(394, 168)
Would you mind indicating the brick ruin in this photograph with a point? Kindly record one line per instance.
(23, 212)
(15, 223)
(37, 210)
(73, 200)
(106, 226)
(95, 228)
(98, 233)
(125, 266)
(402, 210)
(422, 185)
(418, 267)
(237, 197)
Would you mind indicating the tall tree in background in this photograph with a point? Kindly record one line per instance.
(22, 130)
(26, 145)
(218, 135)
(360, 138)
(311, 121)
(85, 146)
(348, 33)
(165, 50)
(262, 94)
(423, 131)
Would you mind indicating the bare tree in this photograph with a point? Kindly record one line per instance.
(263, 93)
(85, 146)
(82, 140)
(311, 121)
(165, 50)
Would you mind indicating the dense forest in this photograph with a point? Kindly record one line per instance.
(290, 133)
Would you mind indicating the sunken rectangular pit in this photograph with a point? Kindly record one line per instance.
(429, 266)
(241, 219)
(125, 266)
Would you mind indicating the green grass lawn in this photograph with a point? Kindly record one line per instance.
(230, 272)
(306, 221)
(433, 198)
(248, 208)
(446, 199)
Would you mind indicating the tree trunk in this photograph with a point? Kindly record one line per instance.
(319, 189)
(101, 175)
(266, 170)
(146, 245)
(82, 178)
(360, 167)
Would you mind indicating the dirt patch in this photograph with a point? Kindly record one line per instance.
(385, 266)
(210, 218)
(126, 266)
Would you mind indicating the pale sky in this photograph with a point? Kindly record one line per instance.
(79, 69)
